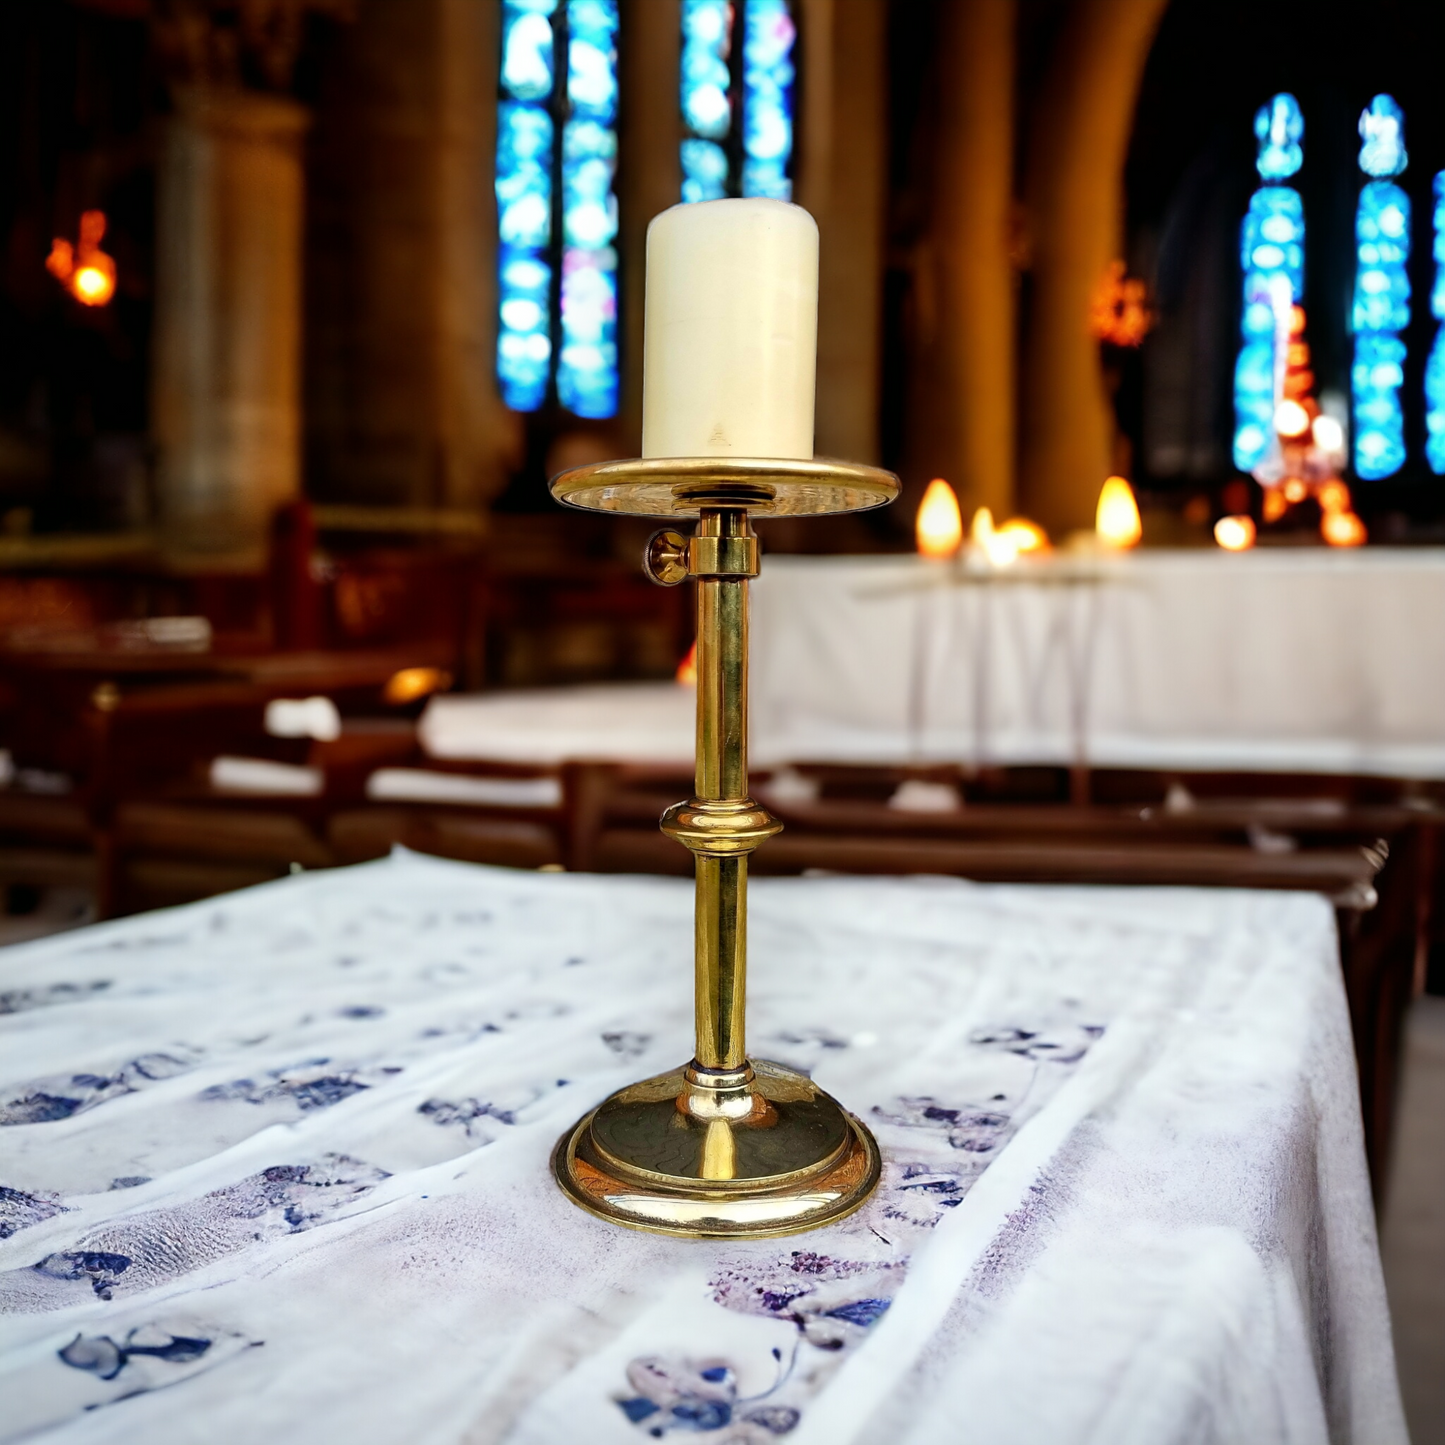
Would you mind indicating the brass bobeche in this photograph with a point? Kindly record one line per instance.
(726, 1146)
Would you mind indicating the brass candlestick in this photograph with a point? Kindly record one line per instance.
(724, 1147)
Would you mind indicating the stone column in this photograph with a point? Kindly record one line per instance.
(1075, 193)
(227, 338)
(962, 417)
(649, 174)
(402, 406)
(841, 178)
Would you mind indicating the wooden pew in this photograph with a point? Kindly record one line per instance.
(1367, 860)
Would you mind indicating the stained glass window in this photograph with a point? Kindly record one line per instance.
(707, 27)
(1435, 366)
(1272, 256)
(553, 288)
(1381, 308)
(737, 110)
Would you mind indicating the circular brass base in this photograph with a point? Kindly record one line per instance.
(706, 1155)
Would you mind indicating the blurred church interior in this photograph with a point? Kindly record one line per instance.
(304, 301)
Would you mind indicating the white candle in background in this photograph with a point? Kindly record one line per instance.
(731, 351)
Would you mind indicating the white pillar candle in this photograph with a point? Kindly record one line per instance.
(731, 351)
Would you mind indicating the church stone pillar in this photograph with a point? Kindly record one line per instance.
(227, 339)
(1075, 192)
(649, 174)
(963, 420)
(841, 178)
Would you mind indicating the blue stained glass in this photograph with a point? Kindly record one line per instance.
(524, 203)
(1381, 307)
(768, 38)
(1279, 126)
(587, 374)
(706, 97)
(704, 171)
(1271, 244)
(527, 48)
(1435, 363)
(1382, 131)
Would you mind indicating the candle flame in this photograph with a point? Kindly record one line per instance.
(939, 524)
(687, 669)
(1235, 534)
(1117, 518)
(1343, 529)
(1029, 536)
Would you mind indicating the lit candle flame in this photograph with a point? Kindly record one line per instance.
(1235, 534)
(1028, 536)
(1117, 519)
(1343, 529)
(939, 525)
(687, 669)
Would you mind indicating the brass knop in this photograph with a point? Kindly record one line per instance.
(664, 558)
(722, 828)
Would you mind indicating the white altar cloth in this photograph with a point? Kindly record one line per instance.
(629, 721)
(1299, 660)
(275, 1169)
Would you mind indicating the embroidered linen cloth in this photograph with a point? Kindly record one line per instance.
(275, 1168)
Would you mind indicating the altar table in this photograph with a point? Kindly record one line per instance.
(275, 1169)
(1275, 660)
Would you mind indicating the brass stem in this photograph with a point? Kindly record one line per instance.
(722, 776)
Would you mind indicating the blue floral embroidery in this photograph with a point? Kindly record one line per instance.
(143, 1250)
(697, 1398)
(19, 1000)
(315, 1084)
(46, 1100)
(19, 1210)
(100, 1267)
(103, 1357)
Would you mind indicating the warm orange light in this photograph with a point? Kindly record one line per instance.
(1235, 534)
(1294, 490)
(1119, 312)
(1276, 504)
(1117, 518)
(411, 683)
(1333, 496)
(687, 669)
(939, 524)
(92, 286)
(84, 270)
(1291, 419)
(61, 260)
(1028, 536)
(1343, 529)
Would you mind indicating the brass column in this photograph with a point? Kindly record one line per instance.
(721, 921)
(725, 1146)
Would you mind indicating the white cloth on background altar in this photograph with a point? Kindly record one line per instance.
(276, 1168)
(1279, 659)
(647, 721)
